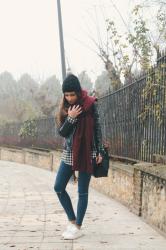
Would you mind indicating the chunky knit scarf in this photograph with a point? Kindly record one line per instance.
(82, 139)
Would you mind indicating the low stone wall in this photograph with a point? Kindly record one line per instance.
(150, 193)
(141, 186)
(118, 184)
(28, 156)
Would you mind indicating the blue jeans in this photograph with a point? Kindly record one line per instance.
(62, 178)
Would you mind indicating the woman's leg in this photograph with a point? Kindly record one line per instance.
(83, 187)
(62, 178)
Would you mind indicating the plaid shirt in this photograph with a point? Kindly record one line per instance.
(67, 156)
(68, 159)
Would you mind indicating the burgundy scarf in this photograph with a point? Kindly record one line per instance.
(82, 139)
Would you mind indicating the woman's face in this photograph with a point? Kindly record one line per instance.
(71, 97)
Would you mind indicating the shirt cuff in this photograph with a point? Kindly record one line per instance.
(71, 119)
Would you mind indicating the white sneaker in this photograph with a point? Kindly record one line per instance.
(72, 233)
(67, 229)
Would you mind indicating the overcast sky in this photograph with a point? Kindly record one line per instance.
(29, 40)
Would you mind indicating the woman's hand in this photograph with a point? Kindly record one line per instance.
(99, 159)
(74, 111)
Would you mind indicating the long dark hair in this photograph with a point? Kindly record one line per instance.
(63, 109)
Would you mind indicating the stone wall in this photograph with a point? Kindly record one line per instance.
(154, 200)
(27, 156)
(141, 186)
(118, 184)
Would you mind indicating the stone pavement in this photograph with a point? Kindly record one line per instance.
(31, 216)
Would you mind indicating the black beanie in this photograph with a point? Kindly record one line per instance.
(71, 83)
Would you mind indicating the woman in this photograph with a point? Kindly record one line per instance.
(78, 123)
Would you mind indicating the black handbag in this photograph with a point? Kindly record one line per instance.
(101, 169)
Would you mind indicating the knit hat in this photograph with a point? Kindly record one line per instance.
(71, 83)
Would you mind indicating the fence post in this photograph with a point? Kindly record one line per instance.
(137, 192)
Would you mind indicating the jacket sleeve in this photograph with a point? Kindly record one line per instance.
(97, 127)
(67, 126)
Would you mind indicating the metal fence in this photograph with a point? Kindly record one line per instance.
(46, 135)
(133, 119)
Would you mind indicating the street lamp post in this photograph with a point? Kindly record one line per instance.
(61, 40)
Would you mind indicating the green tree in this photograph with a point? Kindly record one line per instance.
(85, 81)
(49, 95)
(103, 84)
